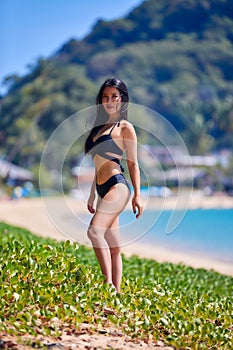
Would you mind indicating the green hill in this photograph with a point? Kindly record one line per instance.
(175, 56)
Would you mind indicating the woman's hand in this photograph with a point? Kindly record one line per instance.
(90, 204)
(137, 206)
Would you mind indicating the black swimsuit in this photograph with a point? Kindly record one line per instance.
(102, 147)
(113, 180)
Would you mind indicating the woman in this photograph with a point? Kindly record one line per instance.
(111, 135)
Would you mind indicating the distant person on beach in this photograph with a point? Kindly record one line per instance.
(110, 136)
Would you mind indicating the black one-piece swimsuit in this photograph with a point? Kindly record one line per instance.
(101, 147)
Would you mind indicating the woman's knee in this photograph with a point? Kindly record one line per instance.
(92, 233)
(96, 237)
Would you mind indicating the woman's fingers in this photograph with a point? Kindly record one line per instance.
(91, 209)
(137, 208)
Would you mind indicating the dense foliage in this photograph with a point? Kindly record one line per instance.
(175, 56)
(49, 287)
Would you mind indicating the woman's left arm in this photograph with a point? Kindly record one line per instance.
(130, 142)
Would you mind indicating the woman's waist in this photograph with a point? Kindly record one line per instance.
(107, 171)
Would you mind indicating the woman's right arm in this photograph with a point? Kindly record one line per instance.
(91, 199)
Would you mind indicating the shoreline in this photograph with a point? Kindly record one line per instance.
(34, 214)
(163, 255)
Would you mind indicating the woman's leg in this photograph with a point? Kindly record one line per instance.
(113, 238)
(116, 267)
(96, 233)
(99, 232)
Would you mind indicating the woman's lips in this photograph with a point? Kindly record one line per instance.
(110, 107)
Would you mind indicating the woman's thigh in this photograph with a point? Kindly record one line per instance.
(109, 207)
(115, 200)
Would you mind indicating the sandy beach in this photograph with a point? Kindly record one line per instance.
(49, 217)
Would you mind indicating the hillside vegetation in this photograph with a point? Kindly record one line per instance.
(175, 56)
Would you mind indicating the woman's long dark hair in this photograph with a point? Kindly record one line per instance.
(101, 115)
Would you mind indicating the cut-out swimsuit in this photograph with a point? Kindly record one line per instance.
(102, 147)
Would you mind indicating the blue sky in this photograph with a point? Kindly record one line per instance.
(30, 29)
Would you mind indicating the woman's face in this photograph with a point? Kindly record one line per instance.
(111, 100)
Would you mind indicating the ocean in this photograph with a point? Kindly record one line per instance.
(206, 232)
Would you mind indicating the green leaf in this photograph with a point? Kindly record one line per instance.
(73, 308)
(164, 321)
(16, 296)
(113, 319)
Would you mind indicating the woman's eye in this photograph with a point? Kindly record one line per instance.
(115, 98)
(110, 98)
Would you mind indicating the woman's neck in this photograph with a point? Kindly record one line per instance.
(113, 119)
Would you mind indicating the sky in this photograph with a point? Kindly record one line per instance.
(30, 29)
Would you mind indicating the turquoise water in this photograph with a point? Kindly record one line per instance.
(206, 232)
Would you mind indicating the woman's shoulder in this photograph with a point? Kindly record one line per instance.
(128, 130)
(125, 124)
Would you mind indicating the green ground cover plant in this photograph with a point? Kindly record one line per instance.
(48, 286)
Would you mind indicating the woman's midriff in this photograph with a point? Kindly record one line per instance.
(106, 170)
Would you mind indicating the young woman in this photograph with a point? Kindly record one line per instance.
(110, 136)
